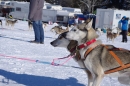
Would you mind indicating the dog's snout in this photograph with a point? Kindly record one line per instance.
(51, 43)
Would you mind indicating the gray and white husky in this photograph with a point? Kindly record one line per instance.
(70, 45)
(99, 60)
(11, 22)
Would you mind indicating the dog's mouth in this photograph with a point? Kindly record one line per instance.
(53, 44)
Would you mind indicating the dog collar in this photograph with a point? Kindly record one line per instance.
(86, 44)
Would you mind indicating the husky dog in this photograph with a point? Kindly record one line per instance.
(116, 30)
(112, 34)
(99, 59)
(1, 23)
(59, 30)
(70, 45)
(11, 22)
(30, 25)
(44, 25)
(109, 35)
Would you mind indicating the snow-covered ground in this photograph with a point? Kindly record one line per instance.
(18, 66)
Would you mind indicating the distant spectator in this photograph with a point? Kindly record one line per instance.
(35, 15)
(76, 20)
(124, 28)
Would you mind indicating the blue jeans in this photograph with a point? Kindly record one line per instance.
(38, 31)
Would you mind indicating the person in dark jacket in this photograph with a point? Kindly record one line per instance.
(35, 15)
(124, 22)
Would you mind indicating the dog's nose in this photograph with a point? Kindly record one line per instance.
(51, 43)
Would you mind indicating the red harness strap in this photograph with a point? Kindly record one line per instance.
(86, 44)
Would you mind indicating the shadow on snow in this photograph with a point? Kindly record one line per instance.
(4, 36)
(32, 80)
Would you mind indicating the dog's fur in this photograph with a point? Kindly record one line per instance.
(30, 25)
(116, 30)
(1, 23)
(111, 35)
(11, 22)
(61, 41)
(99, 59)
(59, 30)
(44, 25)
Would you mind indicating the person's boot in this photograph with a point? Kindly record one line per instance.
(34, 42)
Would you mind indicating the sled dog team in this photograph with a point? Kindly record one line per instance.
(99, 60)
(11, 22)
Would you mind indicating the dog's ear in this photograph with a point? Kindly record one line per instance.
(89, 25)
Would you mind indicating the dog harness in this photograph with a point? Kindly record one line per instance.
(77, 48)
(122, 65)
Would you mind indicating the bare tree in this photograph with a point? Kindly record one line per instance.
(90, 4)
(127, 4)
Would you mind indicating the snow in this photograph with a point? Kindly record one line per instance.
(21, 69)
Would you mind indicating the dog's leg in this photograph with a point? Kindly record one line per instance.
(98, 79)
(113, 40)
(98, 74)
(90, 78)
(107, 39)
(96, 71)
(11, 26)
(1, 24)
(30, 28)
(6, 24)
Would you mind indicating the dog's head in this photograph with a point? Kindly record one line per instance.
(82, 32)
(109, 30)
(61, 41)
